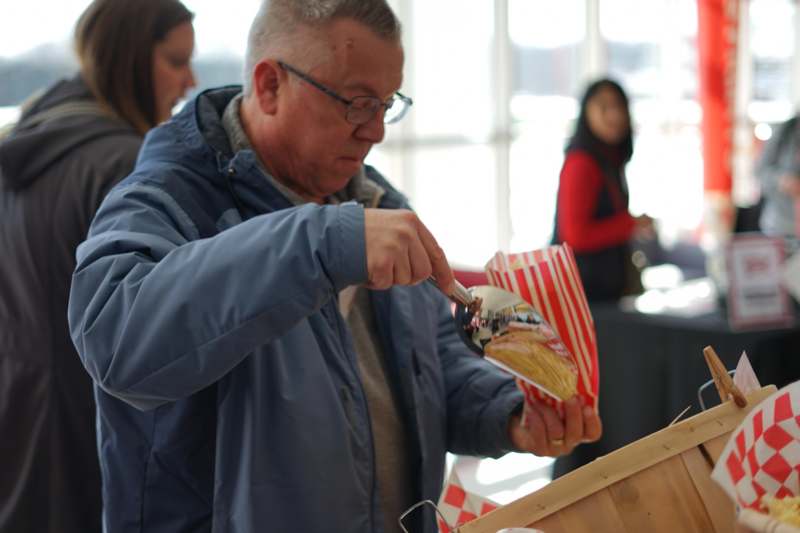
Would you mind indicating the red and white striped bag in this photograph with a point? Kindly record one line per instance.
(548, 279)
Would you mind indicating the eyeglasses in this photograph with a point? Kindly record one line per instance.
(360, 109)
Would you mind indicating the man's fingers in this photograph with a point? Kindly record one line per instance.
(401, 251)
(549, 435)
(381, 271)
(555, 428)
(536, 431)
(553, 434)
(402, 270)
(379, 283)
(440, 268)
(573, 418)
(593, 426)
(420, 262)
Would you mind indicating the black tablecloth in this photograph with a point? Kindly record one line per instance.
(652, 365)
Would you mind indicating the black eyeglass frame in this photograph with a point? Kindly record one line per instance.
(398, 96)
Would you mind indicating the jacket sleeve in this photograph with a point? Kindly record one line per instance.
(579, 189)
(480, 396)
(156, 313)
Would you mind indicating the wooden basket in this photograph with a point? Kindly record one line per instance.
(660, 483)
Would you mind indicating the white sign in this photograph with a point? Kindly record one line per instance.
(756, 296)
(791, 275)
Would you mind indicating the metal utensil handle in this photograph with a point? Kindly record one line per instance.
(460, 294)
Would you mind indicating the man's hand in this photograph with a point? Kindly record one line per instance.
(544, 434)
(401, 251)
(790, 184)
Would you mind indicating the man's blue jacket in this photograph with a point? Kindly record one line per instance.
(205, 299)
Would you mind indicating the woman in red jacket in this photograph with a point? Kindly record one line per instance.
(592, 210)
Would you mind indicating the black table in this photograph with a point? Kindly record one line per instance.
(652, 365)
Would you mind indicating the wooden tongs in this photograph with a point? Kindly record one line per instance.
(725, 386)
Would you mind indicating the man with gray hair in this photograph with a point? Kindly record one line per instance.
(260, 287)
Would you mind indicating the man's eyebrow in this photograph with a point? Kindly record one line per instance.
(360, 87)
(364, 90)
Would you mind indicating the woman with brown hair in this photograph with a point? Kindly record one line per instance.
(71, 145)
(592, 207)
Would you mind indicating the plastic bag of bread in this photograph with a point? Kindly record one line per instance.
(564, 345)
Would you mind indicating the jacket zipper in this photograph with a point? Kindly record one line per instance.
(336, 321)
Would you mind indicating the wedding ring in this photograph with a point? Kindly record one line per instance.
(557, 442)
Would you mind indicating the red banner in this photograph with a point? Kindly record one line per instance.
(717, 35)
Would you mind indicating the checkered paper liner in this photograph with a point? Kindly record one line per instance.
(548, 279)
(459, 506)
(763, 454)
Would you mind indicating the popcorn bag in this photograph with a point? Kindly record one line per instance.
(759, 466)
(548, 279)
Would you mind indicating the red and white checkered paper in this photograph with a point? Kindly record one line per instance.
(763, 453)
(459, 506)
(548, 279)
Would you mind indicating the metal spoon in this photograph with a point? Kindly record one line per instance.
(484, 312)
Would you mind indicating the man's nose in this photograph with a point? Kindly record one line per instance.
(372, 131)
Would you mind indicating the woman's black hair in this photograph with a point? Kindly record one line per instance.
(584, 139)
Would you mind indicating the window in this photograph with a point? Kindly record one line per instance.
(771, 42)
(489, 125)
(655, 60)
(496, 87)
(767, 82)
(36, 51)
(548, 58)
(444, 147)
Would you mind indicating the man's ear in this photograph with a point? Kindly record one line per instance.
(267, 77)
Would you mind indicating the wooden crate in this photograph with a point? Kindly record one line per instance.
(660, 483)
